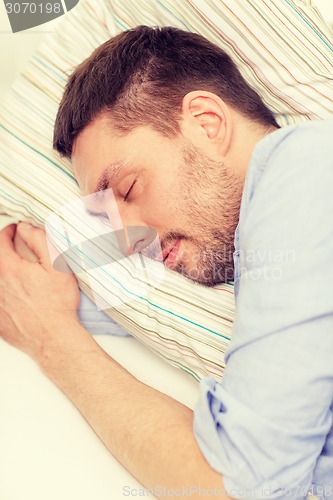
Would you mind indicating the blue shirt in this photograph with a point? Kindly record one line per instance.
(267, 426)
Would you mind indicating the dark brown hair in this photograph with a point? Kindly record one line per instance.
(141, 76)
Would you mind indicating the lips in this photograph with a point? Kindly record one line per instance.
(170, 255)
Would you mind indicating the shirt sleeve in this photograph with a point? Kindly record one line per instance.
(97, 322)
(264, 426)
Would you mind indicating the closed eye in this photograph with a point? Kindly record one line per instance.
(129, 191)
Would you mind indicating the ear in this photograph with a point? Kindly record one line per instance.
(207, 120)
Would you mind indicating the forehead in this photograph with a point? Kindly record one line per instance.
(101, 148)
(97, 149)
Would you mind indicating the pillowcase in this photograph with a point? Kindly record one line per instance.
(284, 50)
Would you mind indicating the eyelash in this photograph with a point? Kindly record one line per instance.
(129, 191)
(104, 186)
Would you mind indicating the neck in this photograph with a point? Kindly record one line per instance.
(246, 136)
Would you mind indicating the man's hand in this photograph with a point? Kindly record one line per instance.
(147, 431)
(37, 303)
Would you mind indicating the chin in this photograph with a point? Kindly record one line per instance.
(204, 276)
(195, 276)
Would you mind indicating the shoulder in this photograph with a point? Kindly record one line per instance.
(292, 150)
(286, 233)
(293, 194)
(295, 160)
(312, 140)
(288, 159)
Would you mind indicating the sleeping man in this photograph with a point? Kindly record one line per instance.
(164, 119)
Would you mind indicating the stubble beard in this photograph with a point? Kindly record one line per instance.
(211, 195)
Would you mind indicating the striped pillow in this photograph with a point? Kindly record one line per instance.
(284, 50)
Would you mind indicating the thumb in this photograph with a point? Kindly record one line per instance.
(35, 239)
(23, 250)
(41, 248)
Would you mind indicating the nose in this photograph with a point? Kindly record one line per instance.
(134, 239)
(131, 233)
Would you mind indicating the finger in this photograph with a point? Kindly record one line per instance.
(6, 241)
(7, 235)
(22, 249)
(35, 239)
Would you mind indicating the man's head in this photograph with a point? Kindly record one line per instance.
(165, 119)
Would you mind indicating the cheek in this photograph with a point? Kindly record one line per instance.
(157, 203)
(156, 211)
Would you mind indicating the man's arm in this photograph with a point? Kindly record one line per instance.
(147, 431)
(268, 425)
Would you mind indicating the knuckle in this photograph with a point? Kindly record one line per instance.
(36, 231)
(38, 237)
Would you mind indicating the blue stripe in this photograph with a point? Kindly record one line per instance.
(310, 25)
(20, 203)
(38, 152)
(174, 15)
(140, 296)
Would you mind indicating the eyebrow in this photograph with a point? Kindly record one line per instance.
(110, 173)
